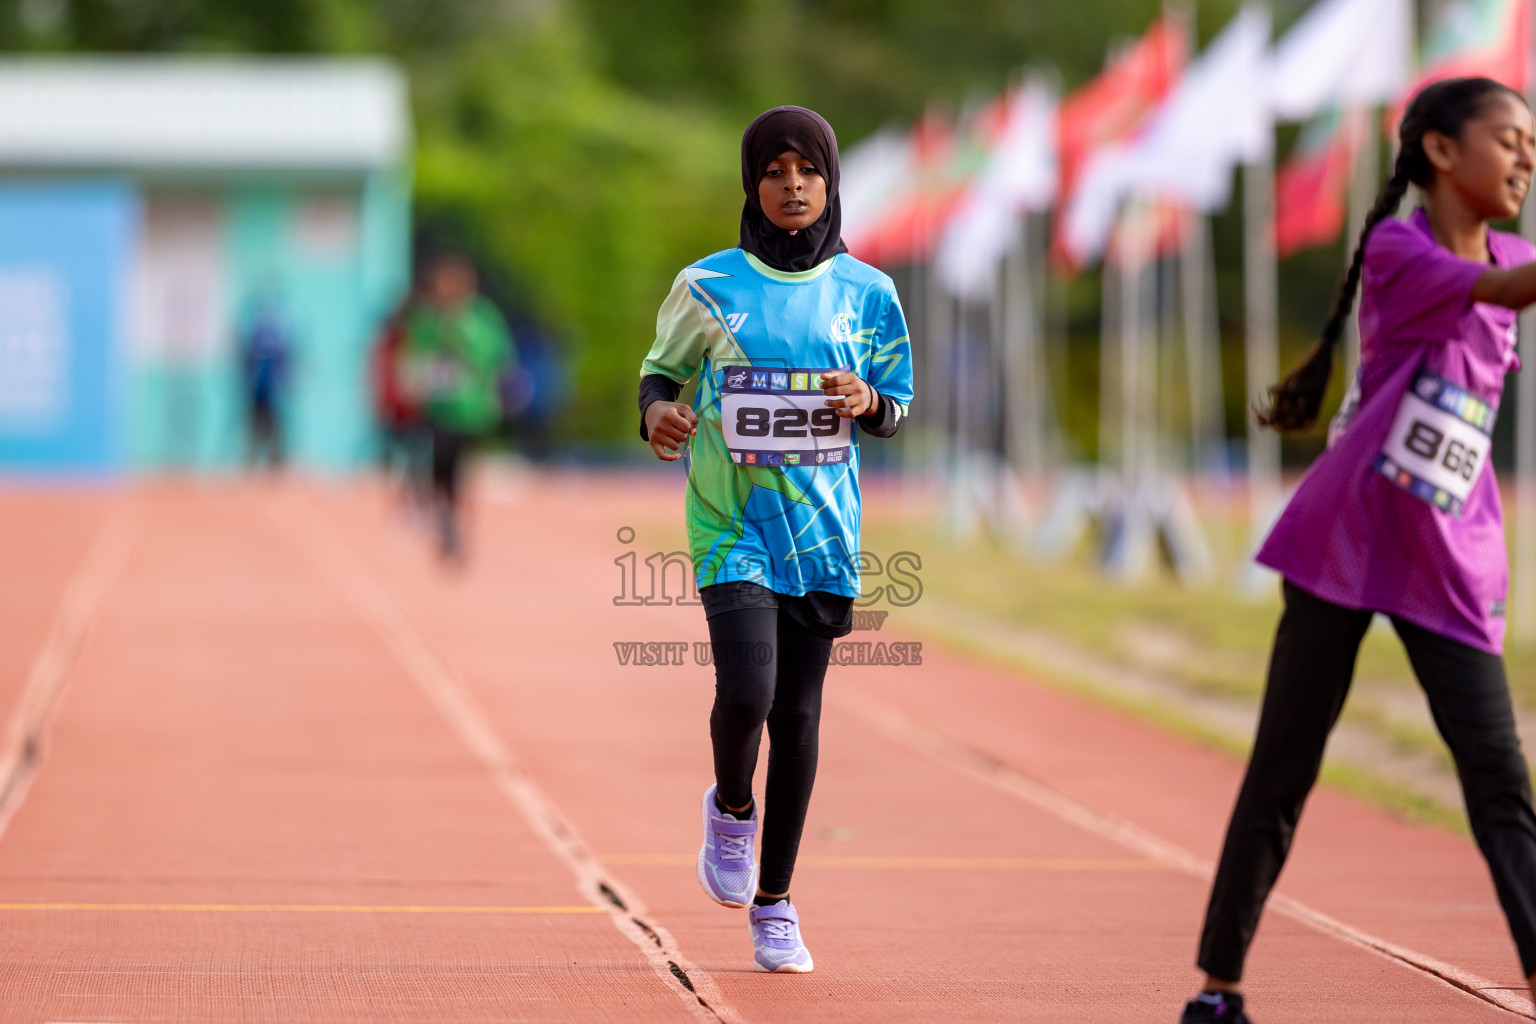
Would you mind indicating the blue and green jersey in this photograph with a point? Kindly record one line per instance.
(774, 499)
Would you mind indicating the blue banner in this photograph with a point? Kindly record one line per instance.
(66, 253)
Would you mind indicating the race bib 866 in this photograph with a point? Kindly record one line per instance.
(775, 416)
(1439, 442)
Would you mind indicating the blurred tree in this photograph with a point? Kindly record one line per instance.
(588, 148)
(593, 197)
(860, 62)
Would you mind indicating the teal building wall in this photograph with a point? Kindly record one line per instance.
(187, 408)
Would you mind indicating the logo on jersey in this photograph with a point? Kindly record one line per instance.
(836, 455)
(798, 382)
(736, 456)
(780, 381)
(735, 320)
(737, 380)
(842, 328)
(750, 458)
(821, 456)
(760, 381)
(792, 459)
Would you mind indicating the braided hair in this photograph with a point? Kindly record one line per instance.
(1441, 107)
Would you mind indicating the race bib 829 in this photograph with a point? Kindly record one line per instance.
(1439, 442)
(774, 416)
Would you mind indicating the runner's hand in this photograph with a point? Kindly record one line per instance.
(668, 425)
(853, 395)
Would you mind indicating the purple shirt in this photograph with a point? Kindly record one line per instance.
(1350, 535)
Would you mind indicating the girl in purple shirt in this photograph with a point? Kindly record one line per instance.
(1400, 515)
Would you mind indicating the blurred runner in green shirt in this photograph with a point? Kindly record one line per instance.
(456, 349)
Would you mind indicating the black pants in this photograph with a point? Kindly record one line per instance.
(265, 443)
(448, 448)
(768, 669)
(1310, 671)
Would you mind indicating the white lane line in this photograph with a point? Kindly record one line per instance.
(386, 614)
(72, 623)
(293, 908)
(985, 768)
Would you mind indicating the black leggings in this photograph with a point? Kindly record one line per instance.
(448, 447)
(1310, 671)
(768, 668)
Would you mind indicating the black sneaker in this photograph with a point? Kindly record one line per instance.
(1228, 1010)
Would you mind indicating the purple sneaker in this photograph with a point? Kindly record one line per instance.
(726, 868)
(777, 948)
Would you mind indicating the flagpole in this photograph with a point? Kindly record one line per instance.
(1169, 454)
(1019, 406)
(1131, 275)
(1261, 350)
(1021, 343)
(1001, 398)
(945, 385)
(1130, 554)
(1036, 286)
(1111, 281)
(1055, 345)
(1215, 380)
(1364, 181)
(1192, 287)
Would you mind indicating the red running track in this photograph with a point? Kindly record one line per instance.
(291, 770)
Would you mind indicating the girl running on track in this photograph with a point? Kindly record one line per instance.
(792, 341)
(1400, 515)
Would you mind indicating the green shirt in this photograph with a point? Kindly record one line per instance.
(455, 362)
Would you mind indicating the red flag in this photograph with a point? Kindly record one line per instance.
(1475, 38)
(945, 159)
(906, 231)
(1311, 187)
(1113, 105)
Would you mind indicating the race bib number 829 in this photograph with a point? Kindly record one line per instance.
(779, 417)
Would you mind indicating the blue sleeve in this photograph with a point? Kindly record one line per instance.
(889, 370)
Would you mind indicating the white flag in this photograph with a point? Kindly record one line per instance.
(875, 173)
(1019, 176)
(1217, 116)
(1349, 53)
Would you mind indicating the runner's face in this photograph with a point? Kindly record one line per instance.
(1490, 164)
(792, 191)
(453, 284)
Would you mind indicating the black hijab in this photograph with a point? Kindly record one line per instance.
(770, 134)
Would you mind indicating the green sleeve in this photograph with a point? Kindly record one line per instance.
(493, 344)
(679, 346)
(506, 349)
(419, 333)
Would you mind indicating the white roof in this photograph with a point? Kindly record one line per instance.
(201, 113)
